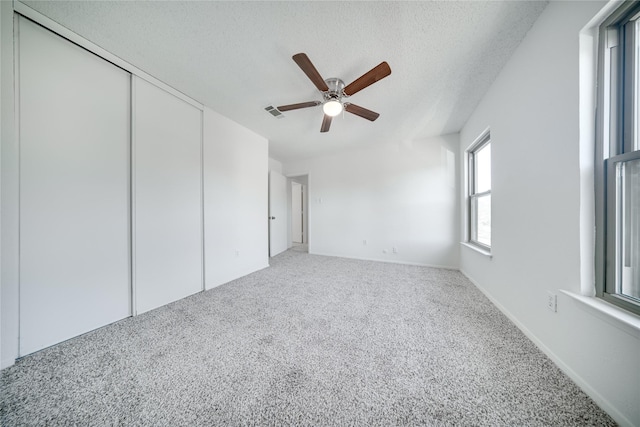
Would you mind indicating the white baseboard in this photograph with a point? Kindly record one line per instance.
(5, 363)
(245, 272)
(602, 402)
(446, 267)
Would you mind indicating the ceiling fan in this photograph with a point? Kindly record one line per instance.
(334, 90)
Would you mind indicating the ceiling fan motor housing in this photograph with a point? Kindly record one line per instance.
(336, 88)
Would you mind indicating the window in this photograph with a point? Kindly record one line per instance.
(618, 160)
(479, 202)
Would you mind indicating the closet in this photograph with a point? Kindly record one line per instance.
(110, 191)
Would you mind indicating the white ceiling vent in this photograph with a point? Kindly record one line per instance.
(274, 112)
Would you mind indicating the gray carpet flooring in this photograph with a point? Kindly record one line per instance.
(312, 340)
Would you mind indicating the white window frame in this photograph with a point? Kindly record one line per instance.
(481, 142)
(617, 142)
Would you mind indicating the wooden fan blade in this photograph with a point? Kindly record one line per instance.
(379, 72)
(297, 106)
(326, 123)
(305, 64)
(361, 111)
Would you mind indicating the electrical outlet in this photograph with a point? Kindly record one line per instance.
(394, 250)
(364, 242)
(237, 252)
(552, 301)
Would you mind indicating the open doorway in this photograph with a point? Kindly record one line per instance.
(298, 217)
(297, 212)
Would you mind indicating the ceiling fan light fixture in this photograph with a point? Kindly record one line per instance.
(333, 90)
(332, 108)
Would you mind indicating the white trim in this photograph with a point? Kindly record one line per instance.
(202, 214)
(130, 198)
(484, 137)
(296, 175)
(6, 363)
(10, 191)
(253, 270)
(603, 14)
(51, 25)
(388, 261)
(601, 401)
(612, 314)
(477, 249)
(588, 49)
(17, 136)
(132, 213)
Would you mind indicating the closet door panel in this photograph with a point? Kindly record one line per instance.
(74, 130)
(167, 197)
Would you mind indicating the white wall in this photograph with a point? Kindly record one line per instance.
(402, 195)
(275, 165)
(235, 196)
(533, 112)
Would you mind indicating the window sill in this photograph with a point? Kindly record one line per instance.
(610, 313)
(477, 249)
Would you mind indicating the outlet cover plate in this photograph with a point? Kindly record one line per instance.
(552, 301)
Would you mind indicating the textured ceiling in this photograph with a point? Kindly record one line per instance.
(235, 57)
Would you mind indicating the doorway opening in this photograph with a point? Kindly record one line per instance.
(298, 213)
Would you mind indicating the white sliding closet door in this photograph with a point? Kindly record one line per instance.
(74, 128)
(167, 197)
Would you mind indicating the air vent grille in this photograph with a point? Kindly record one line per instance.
(274, 112)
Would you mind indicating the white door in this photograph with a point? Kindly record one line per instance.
(277, 213)
(167, 197)
(74, 189)
(296, 213)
